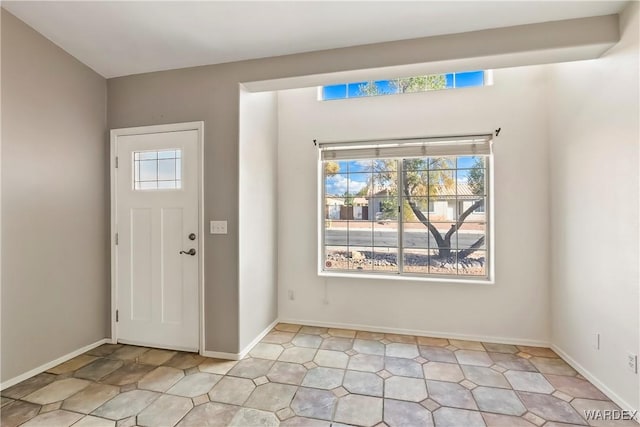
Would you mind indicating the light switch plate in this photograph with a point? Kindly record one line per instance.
(218, 227)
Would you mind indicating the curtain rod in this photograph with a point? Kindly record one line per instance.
(425, 138)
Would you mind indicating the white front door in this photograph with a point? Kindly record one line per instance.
(157, 250)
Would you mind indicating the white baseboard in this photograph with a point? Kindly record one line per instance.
(243, 352)
(257, 339)
(624, 405)
(420, 333)
(220, 355)
(49, 365)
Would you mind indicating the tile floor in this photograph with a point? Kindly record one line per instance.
(310, 376)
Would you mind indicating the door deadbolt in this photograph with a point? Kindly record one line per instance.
(192, 236)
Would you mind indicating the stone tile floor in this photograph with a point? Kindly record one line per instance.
(311, 376)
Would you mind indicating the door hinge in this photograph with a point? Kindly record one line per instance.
(116, 239)
(116, 162)
(117, 315)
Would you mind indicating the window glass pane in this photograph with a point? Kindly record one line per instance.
(442, 183)
(443, 228)
(437, 163)
(157, 170)
(385, 259)
(335, 232)
(360, 258)
(471, 236)
(469, 162)
(356, 185)
(385, 233)
(450, 81)
(358, 165)
(179, 169)
(416, 184)
(414, 206)
(444, 209)
(473, 180)
(475, 264)
(336, 258)
(334, 92)
(384, 165)
(336, 185)
(334, 208)
(380, 87)
(167, 170)
(136, 171)
(385, 87)
(470, 78)
(416, 261)
(473, 207)
(151, 185)
(416, 165)
(383, 206)
(416, 235)
(360, 233)
(169, 154)
(148, 170)
(385, 184)
(443, 263)
(355, 89)
(147, 155)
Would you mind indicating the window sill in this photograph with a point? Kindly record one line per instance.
(470, 281)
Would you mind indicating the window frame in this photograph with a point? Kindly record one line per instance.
(487, 279)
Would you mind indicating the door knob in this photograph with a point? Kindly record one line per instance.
(191, 252)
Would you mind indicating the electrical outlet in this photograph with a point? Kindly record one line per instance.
(596, 341)
(632, 362)
(218, 227)
(291, 295)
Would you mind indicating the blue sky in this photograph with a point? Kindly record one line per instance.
(354, 175)
(352, 89)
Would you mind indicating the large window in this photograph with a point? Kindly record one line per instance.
(404, 85)
(411, 207)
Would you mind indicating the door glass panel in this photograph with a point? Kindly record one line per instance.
(157, 170)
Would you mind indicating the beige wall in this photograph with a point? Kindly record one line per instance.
(55, 258)
(594, 123)
(210, 93)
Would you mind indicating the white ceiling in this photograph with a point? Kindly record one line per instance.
(120, 38)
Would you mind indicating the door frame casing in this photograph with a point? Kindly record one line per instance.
(143, 130)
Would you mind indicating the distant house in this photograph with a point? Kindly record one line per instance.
(448, 203)
(332, 207)
(445, 203)
(336, 208)
(377, 204)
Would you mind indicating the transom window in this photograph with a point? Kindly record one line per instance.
(404, 85)
(157, 170)
(412, 207)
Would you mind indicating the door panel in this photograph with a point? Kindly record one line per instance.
(156, 210)
(172, 289)
(141, 264)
